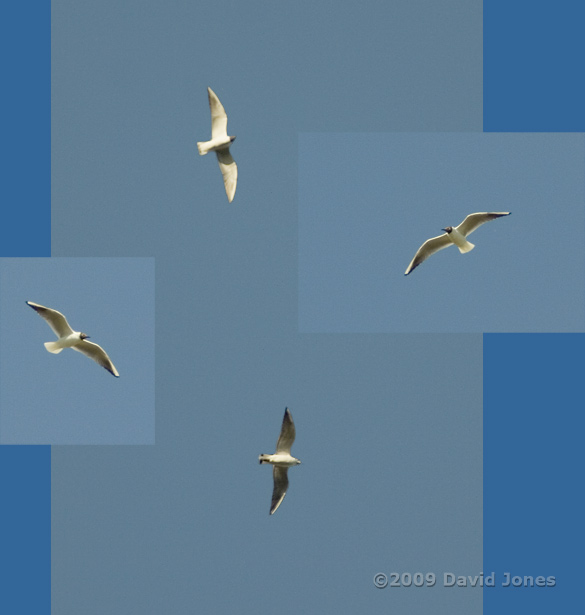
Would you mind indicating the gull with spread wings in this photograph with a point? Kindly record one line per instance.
(281, 461)
(220, 144)
(68, 338)
(454, 236)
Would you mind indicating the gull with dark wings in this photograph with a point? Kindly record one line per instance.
(68, 338)
(281, 461)
(220, 144)
(454, 236)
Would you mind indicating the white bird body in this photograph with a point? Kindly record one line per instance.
(68, 338)
(454, 236)
(281, 461)
(213, 145)
(220, 144)
(68, 341)
(459, 240)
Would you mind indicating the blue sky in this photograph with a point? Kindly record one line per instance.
(125, 167)
(389, 433)
(67, 398)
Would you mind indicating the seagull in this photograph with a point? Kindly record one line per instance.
(68, 338)
(281, 461)
(220, 144)
(454, 235)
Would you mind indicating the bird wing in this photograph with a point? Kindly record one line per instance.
(55, 320)
(218, 116)
(280, 476)
(474, 221)
(98, 354)
(229, 170)
(287, 434)
(429, 247)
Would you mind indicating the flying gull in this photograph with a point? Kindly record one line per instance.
(454, 235)
(68, 338)
(220, 144)
(281, 460)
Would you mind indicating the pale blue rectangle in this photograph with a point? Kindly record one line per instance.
(67, 398)
(368, 201)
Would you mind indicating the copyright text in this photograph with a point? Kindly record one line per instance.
(450, 579)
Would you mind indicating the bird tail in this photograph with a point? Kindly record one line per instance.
(202, 147)
(467, 247)
(52, 347)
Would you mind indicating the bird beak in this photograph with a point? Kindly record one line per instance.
(444, 229)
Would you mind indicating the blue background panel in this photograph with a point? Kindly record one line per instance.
(533, 66)
(25, 56)
(533, 466)
(25, 530)
(25, 230)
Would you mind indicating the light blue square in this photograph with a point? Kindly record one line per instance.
(68, 398)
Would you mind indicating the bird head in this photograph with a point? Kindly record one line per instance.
(447, 229)
(83, 336)
(232, 139)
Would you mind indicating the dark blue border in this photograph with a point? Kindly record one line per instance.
(533, 54)
(25, 530)
(25, 230)
(533, 470)
(25, 188)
